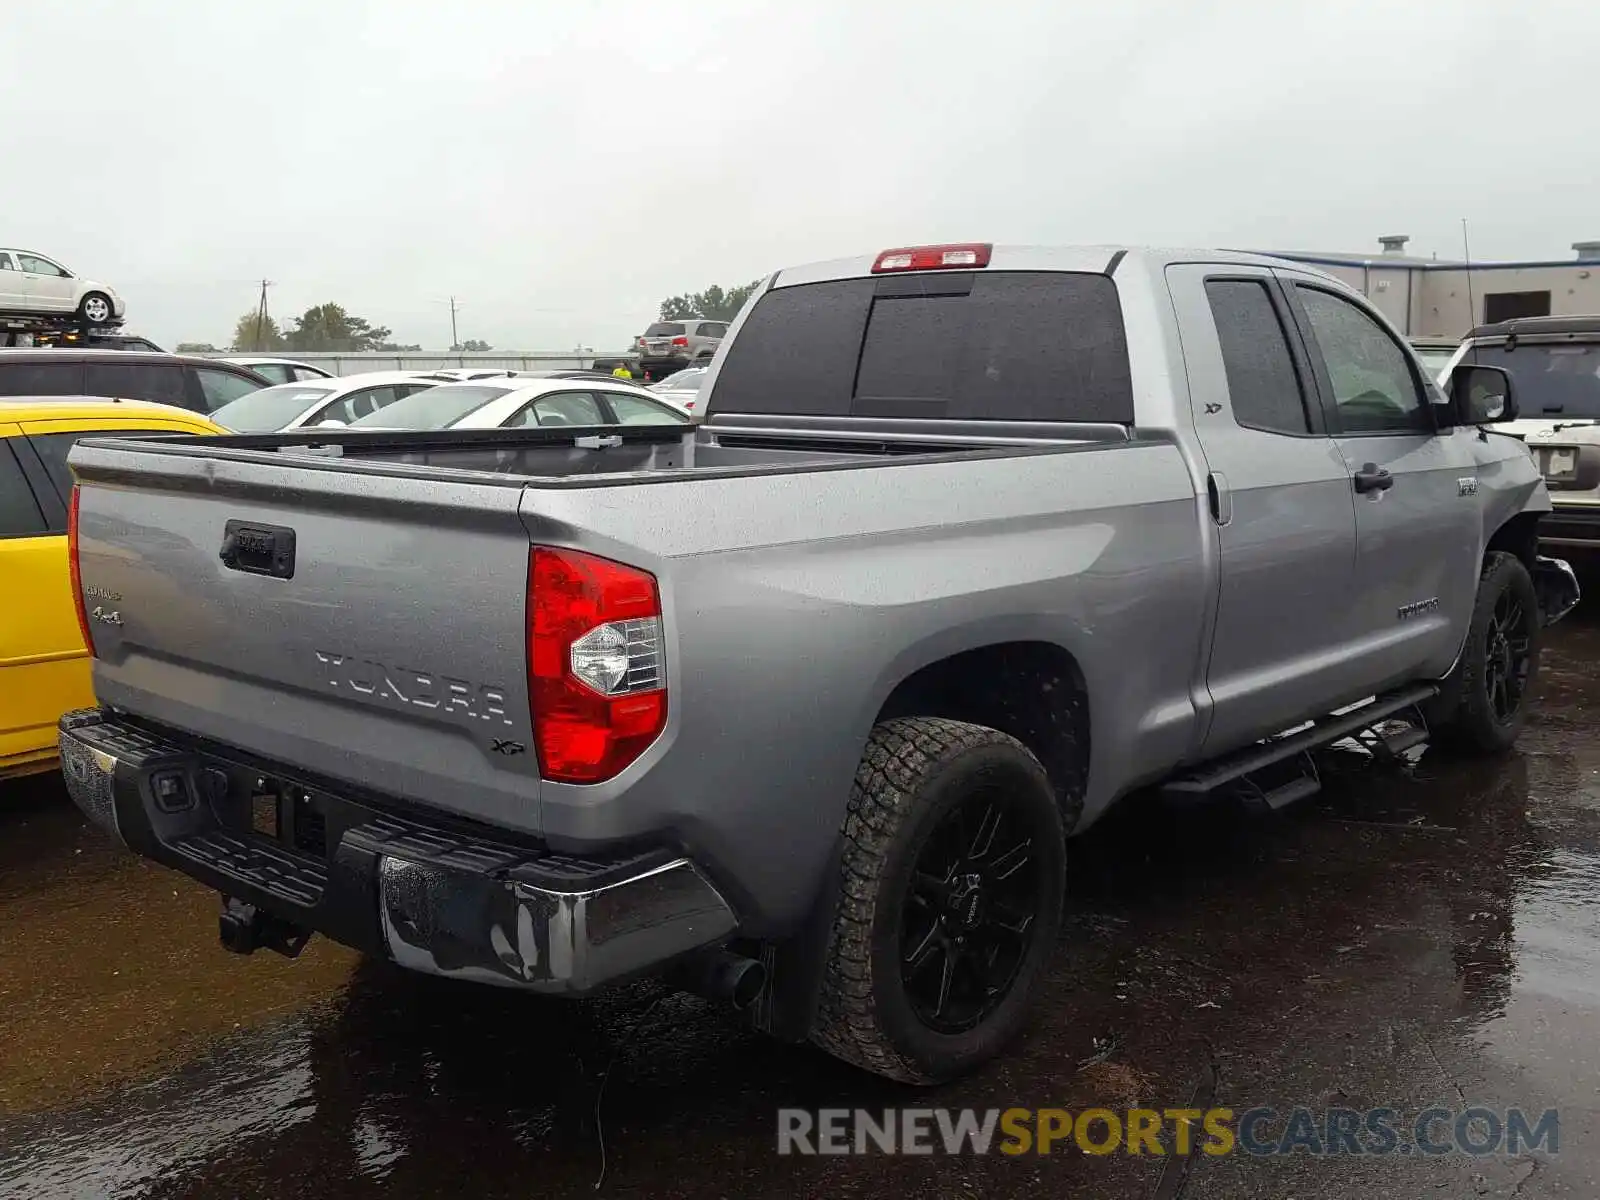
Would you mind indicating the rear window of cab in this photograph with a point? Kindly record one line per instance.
(969, 345)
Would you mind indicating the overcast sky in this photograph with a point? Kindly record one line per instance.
(562, 167)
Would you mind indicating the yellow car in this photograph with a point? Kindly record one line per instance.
(44, 668)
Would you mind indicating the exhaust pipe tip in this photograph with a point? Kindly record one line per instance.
(723, 977)
(747, 980)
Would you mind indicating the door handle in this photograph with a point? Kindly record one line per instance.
(1373, 478)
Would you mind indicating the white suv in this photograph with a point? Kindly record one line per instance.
(33, 285)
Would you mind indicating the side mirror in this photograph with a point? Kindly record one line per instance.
(330, 423)
(1481, 395)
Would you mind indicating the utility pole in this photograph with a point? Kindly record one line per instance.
(455, 341)
(261, 317)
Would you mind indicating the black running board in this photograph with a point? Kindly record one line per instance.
(1231, 768)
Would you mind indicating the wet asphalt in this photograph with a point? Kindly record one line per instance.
(1421, 933)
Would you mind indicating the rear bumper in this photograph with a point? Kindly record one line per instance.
(1556, 584)
(662, 364)
(435, 897)
(1576, 526)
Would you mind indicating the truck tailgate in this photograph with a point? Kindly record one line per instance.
(368, 629)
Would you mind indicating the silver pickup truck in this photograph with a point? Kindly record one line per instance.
(796, 709)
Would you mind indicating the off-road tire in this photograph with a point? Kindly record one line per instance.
(914, 770)
(1462, 716)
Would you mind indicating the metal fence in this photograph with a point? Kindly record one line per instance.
(433, 360)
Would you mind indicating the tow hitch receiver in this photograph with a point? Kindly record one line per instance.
(245, 929)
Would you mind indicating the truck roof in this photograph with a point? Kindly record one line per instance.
(1098, 259)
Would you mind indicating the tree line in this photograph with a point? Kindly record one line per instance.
(713, 304)
(330, 328)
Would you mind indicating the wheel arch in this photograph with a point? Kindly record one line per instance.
(1518, 535)
(1030, 687)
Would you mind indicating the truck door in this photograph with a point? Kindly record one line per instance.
(1419, 529)
(1281, 507)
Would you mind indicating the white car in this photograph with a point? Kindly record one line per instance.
(282, 370)
(36, 286)
(682, 387)
(340, 400)
(514, 403)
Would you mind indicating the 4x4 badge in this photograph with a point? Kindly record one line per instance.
(507, 746)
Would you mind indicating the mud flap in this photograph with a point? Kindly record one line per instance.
(794, 965)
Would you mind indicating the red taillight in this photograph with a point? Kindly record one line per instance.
(934, 258)
(596, 680)
(680, 341)
(72, 566)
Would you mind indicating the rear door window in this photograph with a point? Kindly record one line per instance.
(156, 381)
(41, 379)
(1013, 345)
(1263, 386)
(19, 511)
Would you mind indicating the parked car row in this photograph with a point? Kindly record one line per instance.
(408, 400)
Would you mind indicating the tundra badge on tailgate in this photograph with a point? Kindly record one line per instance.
(417, 689)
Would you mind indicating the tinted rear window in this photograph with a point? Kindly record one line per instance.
(161, 382)
(41, 379)
(1560, 380)
(664, 329)
(1013, 345)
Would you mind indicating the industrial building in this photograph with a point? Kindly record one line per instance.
(1431, 297)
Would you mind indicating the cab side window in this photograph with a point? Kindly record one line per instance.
(1374, 388)
(19, 511)
(1263, 385)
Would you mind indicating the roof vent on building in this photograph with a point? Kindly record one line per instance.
(1395, 243)
(1587, 250)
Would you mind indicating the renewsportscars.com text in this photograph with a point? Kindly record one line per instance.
(1215, 1131)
